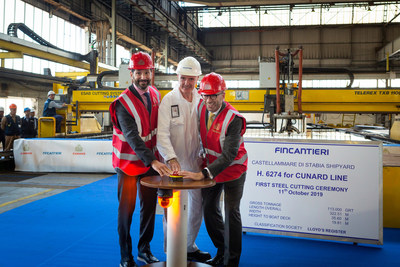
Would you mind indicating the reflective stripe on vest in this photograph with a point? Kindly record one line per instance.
(199, 109)
(125, 156)
(216, 154)
(224, 128)
(134, 111)
(213, 141)
(144, 138)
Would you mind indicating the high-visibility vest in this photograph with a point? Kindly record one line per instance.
(48, 112)
(13, 127)
(213, 141)
(124, 157)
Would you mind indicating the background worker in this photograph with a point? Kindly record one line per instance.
(134, 116)
(50, 107)
(179, 144)
(35, 121)
(11, 125)
(27, 125)
(2, 136)
(221, 130)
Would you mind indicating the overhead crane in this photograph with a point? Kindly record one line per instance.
(314, 100)
(325, 100)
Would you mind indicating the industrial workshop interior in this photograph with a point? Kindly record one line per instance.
(90, 90)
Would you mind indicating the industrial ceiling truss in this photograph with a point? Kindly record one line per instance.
(262, 8)
(254, 3)
(162, 26)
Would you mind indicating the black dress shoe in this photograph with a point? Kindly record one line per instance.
(218, 260)
(130, 263)
(147, 257)
(198, 255)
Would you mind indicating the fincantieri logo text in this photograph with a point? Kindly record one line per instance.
(104, 153)
(78, 150)
(51, 153)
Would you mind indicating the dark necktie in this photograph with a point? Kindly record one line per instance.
(148, 101)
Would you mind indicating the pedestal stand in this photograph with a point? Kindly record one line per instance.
(177, 218)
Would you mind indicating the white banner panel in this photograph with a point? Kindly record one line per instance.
(63, 155)
(327, 189)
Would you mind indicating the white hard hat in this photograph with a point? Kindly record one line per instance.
(189, 66)
(1, 109)
(51, 93)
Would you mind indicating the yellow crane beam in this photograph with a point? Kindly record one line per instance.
(323, 100)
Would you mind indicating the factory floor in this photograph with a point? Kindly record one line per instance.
(20, 188)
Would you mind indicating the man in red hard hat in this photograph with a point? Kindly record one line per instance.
(134, 116)
(221, 131)
(11, 125)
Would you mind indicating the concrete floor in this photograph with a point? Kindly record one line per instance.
(17, 188)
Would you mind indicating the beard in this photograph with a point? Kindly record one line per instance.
(142, 84)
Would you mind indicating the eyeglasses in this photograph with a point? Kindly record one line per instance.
(212, 97)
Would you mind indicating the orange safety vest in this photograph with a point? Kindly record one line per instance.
(124, 157)
(213, 141)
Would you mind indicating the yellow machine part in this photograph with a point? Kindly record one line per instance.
(46, 127)
(84, 125)
(325, 100)
(395, 130)
(313, 100)
(391, 197)
(89, 125)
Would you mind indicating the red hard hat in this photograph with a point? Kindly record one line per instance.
(13, 106)
(140, 61)
(212, 84)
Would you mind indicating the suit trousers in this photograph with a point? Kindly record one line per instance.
(127, 190)
(226, 236)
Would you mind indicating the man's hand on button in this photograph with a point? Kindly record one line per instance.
(192, 175)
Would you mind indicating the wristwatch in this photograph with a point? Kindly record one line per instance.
(168, 161)
(205, 173)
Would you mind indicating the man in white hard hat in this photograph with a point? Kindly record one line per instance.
(50, 107)
(179, 144)
(2, 136)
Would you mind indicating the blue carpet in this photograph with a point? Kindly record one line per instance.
(78, 228)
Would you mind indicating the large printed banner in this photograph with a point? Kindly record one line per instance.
(327, 190)
(63, 155)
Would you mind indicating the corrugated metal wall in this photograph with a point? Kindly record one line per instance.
(328, 46)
